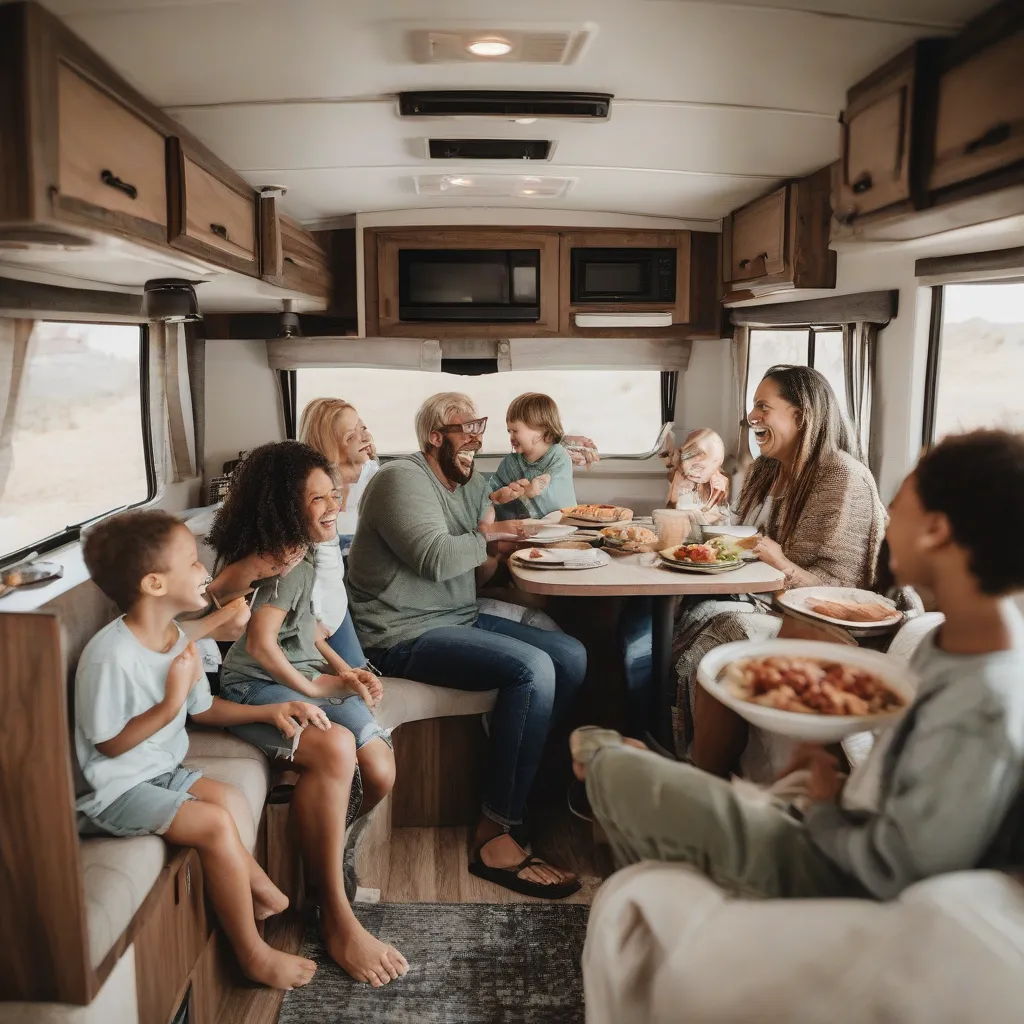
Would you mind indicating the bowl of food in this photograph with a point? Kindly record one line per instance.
(630, 538)
(808, 690)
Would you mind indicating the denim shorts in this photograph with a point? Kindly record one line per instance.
(349, 712)
(146, 809)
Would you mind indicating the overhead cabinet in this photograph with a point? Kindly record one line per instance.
(290, 255)
(780, 241)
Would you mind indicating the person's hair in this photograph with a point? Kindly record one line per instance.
(537, 411)
(965, 477)
(320, 428)
(263, 512)
(435, 412)
(823, 432)
(121, 551)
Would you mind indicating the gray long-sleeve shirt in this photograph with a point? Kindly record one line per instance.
(414, 553)
(949, 776)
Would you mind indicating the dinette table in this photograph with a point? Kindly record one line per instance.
(628, 576)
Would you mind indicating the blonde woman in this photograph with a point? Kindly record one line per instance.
(332, 427)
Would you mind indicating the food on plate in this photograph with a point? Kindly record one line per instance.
(599, 513)
(704, 554)
(811, 686)
(630, 533)
(534, 553)
(853, 611)
(732, 548)
(13, 578)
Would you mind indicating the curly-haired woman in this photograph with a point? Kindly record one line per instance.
(283, 500)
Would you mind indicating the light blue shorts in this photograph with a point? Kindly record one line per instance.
(146, 809)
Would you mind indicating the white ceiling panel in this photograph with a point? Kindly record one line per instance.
(322, 194)
(253, 138)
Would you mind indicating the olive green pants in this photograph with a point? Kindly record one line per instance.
(655, 809)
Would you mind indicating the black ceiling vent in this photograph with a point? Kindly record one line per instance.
(470, 103)
(490, 149)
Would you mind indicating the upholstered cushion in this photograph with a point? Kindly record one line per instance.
(409, 701)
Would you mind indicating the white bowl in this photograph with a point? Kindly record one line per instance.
(809, 728)
(547, 531)
(730, 531)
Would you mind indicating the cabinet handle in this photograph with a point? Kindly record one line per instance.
(111, 179)
(219, 229)
(996, 135)
(759, 256)
(862, 184)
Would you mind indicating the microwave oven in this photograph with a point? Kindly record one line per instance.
(469, 285)
(639, 276)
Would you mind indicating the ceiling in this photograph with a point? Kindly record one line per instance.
(714, 100)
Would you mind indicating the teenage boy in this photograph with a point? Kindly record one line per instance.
(137, 680)
(944, 778)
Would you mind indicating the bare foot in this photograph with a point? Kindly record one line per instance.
(359, 953)
(504, 852)
(271, 967)
(268, 900)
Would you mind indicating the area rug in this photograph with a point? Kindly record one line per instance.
(469, 963)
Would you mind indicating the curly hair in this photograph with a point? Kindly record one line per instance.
(965, 477)
(121, 551)
(263, 512)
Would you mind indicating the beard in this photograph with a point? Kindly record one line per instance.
(453, 469)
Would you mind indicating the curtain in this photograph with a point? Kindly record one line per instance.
(288, 383)
(669, 387)
(376, 353)
(181, 429)
(859, 347)
(740, 359)
(15, 339)
(599, 354)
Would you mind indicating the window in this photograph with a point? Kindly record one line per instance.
(78, 448)
(820, 347)
(619, 411)
(975, 360)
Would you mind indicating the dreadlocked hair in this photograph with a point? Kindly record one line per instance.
(263, 512)
(823, 432)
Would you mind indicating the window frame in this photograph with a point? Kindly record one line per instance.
(73, 531)
(932, 366)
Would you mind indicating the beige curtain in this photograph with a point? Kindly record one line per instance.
(15, 345)
(742, 458)
(859, 346)
(181, 432)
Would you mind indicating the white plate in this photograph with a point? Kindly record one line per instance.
(809, 728)
(730, 531)
(561, 558)
(670, 562)
(538, 529)
(797, 600)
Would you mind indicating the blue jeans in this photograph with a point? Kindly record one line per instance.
(344, 642)
(536, 673)
(636, 640)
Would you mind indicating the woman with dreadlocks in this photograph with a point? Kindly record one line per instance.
(282, 502)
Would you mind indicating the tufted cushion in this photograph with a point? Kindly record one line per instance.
(409, 701)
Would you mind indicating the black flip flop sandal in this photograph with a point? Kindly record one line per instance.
(508, 878)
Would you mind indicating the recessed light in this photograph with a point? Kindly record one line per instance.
(490, 46)
(459, 181)
(525, 120)
(529, 191)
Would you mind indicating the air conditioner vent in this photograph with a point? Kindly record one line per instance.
(489, 149)
(585, 106)
(553, 45)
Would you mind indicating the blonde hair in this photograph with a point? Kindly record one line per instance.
(537, 411)
(435, 412)
(320, 427)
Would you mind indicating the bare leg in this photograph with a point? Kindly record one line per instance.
(267, 899)
(327, 760)
(211, 830)
(500, 850)
(719, 735)
(377, 767)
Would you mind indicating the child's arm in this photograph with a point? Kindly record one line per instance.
(225, 713)
(227, 623)
(261, 643)
(362, 682)
(184, 673)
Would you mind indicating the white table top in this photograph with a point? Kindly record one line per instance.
(625, 576)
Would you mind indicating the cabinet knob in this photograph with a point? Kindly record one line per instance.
(862, 184)
(219, 229)
(743, 263)
(995, 136)
(111, 179)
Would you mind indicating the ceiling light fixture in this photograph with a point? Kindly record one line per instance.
(459, 181)
(490, 46)
(525, 120)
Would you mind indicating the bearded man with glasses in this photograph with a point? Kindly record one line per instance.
(426, 536)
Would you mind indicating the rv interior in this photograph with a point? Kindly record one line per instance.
(213, 212)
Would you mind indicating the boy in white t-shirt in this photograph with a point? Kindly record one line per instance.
(137, 680)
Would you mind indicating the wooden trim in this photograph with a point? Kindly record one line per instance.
(973, 263)
(43, 931)
(15, 156)
(371, 287)
(864, 307)
(46, 301)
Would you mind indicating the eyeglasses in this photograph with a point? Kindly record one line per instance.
(474, 428)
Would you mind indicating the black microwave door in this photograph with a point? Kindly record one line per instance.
(622, 275)
(475, 285)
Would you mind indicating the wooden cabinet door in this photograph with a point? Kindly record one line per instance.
(111, 164)
(290, 256)
(980, 120)
(758, 233)
(211, 217)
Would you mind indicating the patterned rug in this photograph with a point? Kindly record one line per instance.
(469, 963)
